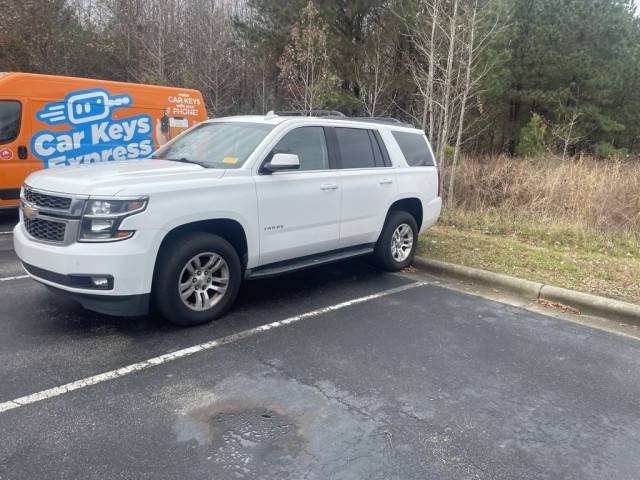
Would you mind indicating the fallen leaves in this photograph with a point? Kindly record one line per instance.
(558, 306)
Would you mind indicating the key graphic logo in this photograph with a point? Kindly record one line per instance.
(83, 107)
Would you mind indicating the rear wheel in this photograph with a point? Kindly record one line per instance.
(197, 279)
(397, 244)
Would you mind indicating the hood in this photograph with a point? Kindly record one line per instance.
(108, 179)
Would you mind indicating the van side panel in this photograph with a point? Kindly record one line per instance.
(13, 168)
(73, 121)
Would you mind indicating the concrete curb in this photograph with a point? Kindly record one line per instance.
(586, 303)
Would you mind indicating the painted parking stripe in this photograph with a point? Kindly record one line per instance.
(17, 277)
(185, 352)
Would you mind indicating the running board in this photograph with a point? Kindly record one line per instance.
(294, 265)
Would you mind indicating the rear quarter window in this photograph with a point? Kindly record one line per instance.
(414, 148)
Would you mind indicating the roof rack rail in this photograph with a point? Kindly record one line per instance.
(338, 116)
(310, 113)
(385, 120)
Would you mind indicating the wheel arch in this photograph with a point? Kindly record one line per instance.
(411, 205)
(229, 229)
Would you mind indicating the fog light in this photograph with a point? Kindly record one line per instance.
(101, 226)
(100, 282)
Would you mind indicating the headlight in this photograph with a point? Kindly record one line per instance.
(100, 207)
(114, 207)
(102, 218)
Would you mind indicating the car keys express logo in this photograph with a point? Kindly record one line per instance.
(94, 135)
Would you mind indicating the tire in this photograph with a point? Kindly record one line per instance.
(387, 253)
(206, 296)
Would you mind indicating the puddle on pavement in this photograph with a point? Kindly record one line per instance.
(269, 427)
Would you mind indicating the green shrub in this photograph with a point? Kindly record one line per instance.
(532, 138)
(605, 150)
(449, 152)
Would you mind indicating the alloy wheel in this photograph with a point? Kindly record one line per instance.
(203, 281)
(402, 242)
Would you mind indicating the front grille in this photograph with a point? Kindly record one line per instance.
(46, 230)
(46, 201)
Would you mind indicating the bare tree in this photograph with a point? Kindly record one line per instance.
(448, 88)
(120, 24)
(304, 65)
(424, 65)
(211, 54)
(565, 130)
(159, 41)
(432, 66)
(448, 38)
(40, 36)
(473, 43)
(374, 73)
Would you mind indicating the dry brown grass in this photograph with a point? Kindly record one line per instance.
(595, 195)
(575, 224)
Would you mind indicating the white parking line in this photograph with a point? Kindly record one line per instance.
(185, 352)
(17, 277)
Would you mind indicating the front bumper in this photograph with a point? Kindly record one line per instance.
(119, 306)
(129, 263)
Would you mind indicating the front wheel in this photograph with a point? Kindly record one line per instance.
(397, 244)
(197, 279)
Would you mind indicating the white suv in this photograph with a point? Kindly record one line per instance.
(232, 198)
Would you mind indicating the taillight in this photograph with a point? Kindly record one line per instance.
(439, 184)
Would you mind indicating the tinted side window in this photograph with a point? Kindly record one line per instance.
(414, 148)
(309, 144)
(355, 147)
(9, 120)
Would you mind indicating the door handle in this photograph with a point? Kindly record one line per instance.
(329, 186)
(23, 153)
(386, 181)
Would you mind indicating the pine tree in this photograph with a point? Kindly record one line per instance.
(532, 138)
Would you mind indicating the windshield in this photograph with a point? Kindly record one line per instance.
(216, 145)
(9, 120)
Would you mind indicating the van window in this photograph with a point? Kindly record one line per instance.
(309, 144)
(10, 112)
(414, 148)
(356, 150)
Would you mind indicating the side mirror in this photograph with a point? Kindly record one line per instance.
(282, 161)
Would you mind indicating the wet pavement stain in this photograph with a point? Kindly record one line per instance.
(249, 440)
(270, 427)
(247, 437)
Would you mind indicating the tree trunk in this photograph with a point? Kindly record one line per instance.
(444, 132)
(463, 107)
(436, 8)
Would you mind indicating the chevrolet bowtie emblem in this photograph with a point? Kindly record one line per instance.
(29, 211)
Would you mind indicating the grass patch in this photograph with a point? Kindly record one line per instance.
(552, 252)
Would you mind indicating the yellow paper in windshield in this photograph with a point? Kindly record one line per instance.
(230, 160)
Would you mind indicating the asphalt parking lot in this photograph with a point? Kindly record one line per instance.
(339, 372)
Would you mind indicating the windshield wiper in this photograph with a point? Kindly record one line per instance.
(183, 160)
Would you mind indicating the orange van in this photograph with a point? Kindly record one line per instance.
(54, 122)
